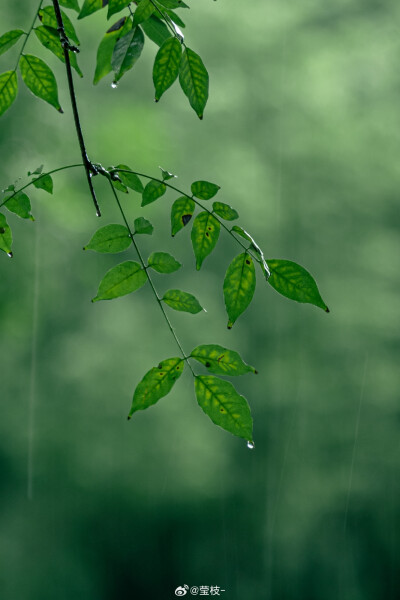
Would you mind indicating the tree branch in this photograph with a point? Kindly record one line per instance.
(67, 48)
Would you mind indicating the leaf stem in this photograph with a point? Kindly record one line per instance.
(66, 46)
(146, 270)
(172, 187)
(39, 177)
(27, 34)
(167, 19)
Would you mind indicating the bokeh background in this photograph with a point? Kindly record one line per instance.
(302, 133)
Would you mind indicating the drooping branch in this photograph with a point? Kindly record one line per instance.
(90, 169)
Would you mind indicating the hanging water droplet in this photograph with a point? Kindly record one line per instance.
(98, 213)
(250, 445)
(114, 85)
(9, 254)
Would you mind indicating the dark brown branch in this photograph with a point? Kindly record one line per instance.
(67, 48)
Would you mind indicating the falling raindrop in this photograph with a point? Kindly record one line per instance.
(114, 85)
(250, 445)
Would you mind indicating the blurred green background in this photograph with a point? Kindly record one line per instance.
(302, 133)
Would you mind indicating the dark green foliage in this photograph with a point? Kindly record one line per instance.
(126, 52)
(225, 211)
(111, 238)
(162, 262)
(204, 190)
(142, 225)
(181, 213)
(5, 235)
(205, 234)
(193, 77)
(294, 282)
(182, 301)
(44, 182)
(220, 360)
(48, 18)
(20, 205)
(50, 39)
(8, 90)
(166, 66)
(153, 191)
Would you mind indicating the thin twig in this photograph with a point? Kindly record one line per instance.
(159, 301)
(67, 47)
(28, 34)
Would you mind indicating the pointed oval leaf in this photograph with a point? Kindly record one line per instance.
(156, 384)
(5, 235)
(107, 45)
(143, 11)
(91, 6)
(115, 6)
(7, 40)
(127, 51)
(239, 286)
(111, 238)
(225, 211)
(8, 90)
(39, 78)
(205, 234)
(156, 30)
(48, 18)
(153, 190)
(44, 182)
(20, 205)
(225, 407)
(181, 212)
(162, 262)
(123, 279)
(193, 78)
(50, 39)
(175, 18)
(72, 4)
(240, 231)
(129, 179)
(166, 66)
(173, 3)
(204, 189)
(293, 281)
(182, 301)
(220, 360)
(142, 225)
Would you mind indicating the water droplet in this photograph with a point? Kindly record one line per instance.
(9, 254)
(114, 85)
(250, 445)
(98, 213)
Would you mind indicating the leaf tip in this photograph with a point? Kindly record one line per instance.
(230, 324)
(327, 309)
(129, 417)
(60, 110)
(255, 372)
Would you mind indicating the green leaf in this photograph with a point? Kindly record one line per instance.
(130, 179)
(204, 189)
(172, 3)
(225, 407)
(111, 238)
(44, 182)
(115, 6)
(127, 51)
(91, 6)
(294, 282)
(107, 45)
(182, 301)
(37, 171)
(7, 40)
(156, 30)
(39, 78)
(263, 263)
(123, 279)
(162, 262)
(5, 236)
(8, 90)
(239, 286)
(120, 186)
(72, 4)
(193, 78)
(205, 234)
(142, 225)
(143, 12)
(48, 18)
(181, 212)
(50, 39)
(156, 384)
(153, 190)
(166, 175)
(225, 211)
(166, 66)
(175, 18)
(20, 205)
(220, 360)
